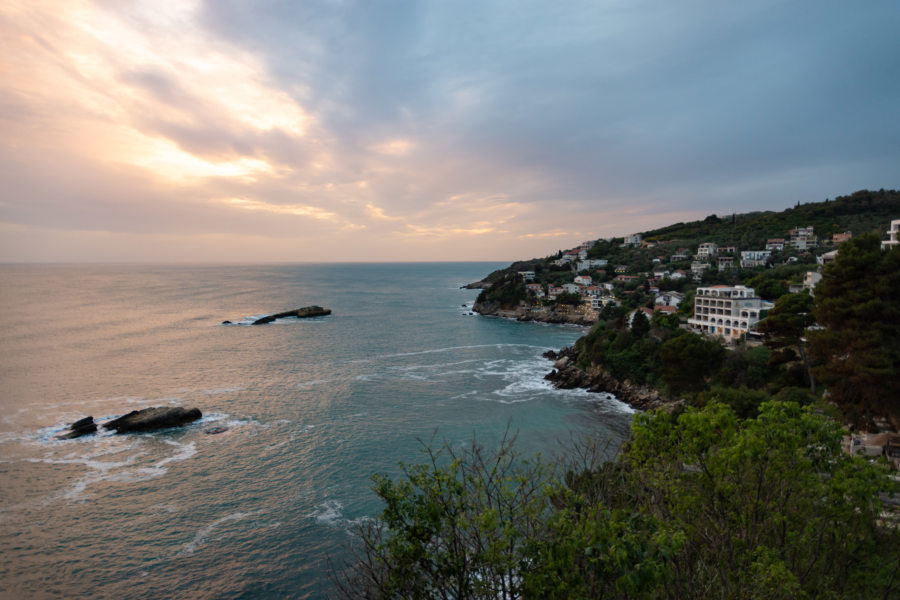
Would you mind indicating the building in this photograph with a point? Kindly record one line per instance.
(727, 311)
(583, 280)
(707, 249)
(633, 240)
(840, 238)
(775, 245)
(894, 233)
(811, 279)
(754, 258)
(526, 275)
(697, 269)
(803, 238)
(594, 263)
(680, 254)
(535, 288)
(669, 299)
(724, 262)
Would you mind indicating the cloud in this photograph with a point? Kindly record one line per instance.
(351, 130)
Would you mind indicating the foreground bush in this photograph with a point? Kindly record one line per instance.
(698, 505)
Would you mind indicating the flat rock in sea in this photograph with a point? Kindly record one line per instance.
(299, 313)
(85, 426)
(151, 419)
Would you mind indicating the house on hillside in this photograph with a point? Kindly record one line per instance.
(724, 262)
(526, 275)
(840, 238)
(775, 245)
(754, 258)
(594, 263)
(894, 234)
(583, 280)
(707, 249)
(633, 240)
(697, 269)
(669, 299)
(803, 238)
(727, 311)
(811, 279)
(680, 254)
(535, 288)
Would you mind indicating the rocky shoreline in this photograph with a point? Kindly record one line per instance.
(566, 375)
(541, 314)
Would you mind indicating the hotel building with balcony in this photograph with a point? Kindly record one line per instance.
(727, 311)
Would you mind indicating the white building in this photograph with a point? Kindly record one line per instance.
(707, 249)
(526, 275)
(594, 263)
(697, 269)
(583, 280)
(727, 311)
(669, 299)
(775, 245)
(754, 258)
(894, 233)
(633, 240)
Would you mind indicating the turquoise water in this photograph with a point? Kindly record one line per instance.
(313, 408)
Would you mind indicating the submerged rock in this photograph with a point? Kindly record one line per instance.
(299, 313)
(151, 419)
(85, 426)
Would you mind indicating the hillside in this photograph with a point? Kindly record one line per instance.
(859, 213)
(673, 249)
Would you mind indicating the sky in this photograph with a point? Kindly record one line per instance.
(388, 130)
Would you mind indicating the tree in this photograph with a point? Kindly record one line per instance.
(786, 325)
(858, 306)
(686, 361)
(455, 526)
(771, 506)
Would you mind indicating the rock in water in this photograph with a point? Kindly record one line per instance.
(151, 419)
(79, 428)
(300, 313)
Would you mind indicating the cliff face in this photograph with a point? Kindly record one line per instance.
(542, 314)
(566, 375)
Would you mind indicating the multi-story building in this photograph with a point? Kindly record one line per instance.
(707, 249)
(633, 240)
(803, 238)
(894, 233)
(754, 258)
(727, 311)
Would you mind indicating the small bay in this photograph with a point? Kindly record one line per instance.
(311, 408)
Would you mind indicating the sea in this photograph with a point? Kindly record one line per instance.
(307, 411)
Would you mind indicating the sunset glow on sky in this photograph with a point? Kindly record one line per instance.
(235, 131)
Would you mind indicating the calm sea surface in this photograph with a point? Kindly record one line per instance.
(313, 408)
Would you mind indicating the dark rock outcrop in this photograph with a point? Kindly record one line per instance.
(85, 426)
(542, 314)
(151, 419)
(299, 313)
(566, 375)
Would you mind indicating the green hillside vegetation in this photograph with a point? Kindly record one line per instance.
(861, 212)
